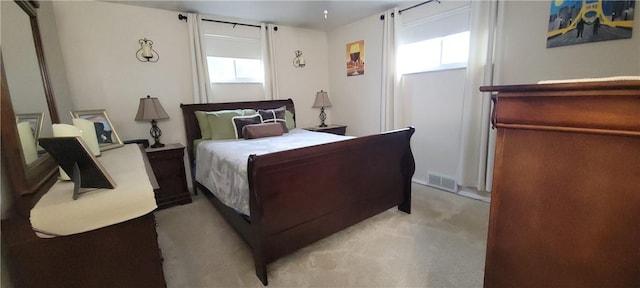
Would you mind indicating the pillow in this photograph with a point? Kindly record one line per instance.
(249, 112)
(220, 124)
(262, 130)
(274, 116)
(288, 117)
(201, 116)
(240, 121)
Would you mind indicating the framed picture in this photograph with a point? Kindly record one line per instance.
(355, 58)
(35, 122)
(75, 158)
(576, 22)
(106, 133)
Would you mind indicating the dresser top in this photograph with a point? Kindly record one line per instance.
(573, 86)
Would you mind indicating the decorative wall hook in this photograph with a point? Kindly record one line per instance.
(299, 62)
(146, 52)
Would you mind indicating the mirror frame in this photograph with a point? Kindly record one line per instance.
(27, 182)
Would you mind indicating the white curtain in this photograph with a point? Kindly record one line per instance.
(199, 70)
(477, 105)
(391, 103)
(269, 61)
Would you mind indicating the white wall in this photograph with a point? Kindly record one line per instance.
(55, 64)
(432, 101)
(522, 56)
(301, 84)
(433, 105)
(356, 99)
(99, 42)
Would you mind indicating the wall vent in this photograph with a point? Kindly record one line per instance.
(442, 182)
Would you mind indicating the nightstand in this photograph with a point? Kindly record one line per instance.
(168, 166)
(333, 129)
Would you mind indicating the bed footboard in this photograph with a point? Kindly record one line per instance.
(300, 196)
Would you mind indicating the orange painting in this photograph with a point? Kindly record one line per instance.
(355, 58)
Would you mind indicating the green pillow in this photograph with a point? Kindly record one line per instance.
(249, 112)
(221, 125)
(203, 124)
(288, 117)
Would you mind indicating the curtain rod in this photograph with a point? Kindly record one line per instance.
(183, 17)
(419, 4)
(414, 6)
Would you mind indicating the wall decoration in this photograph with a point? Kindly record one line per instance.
(34, 120)
(106, 133)
(355, 58)
(582, 21)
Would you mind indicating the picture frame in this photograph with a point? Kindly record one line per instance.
(105, 131)
(35, 122)
(76, 159)
(355, 58)
(578, 22)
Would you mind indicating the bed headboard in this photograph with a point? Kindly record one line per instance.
(191, 123)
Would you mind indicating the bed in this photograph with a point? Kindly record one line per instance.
(299, 196)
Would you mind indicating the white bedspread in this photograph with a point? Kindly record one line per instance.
(222, 164)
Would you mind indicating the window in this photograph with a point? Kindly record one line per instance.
(234, 54)
(440, 53)
(234, 70)
(436, 42)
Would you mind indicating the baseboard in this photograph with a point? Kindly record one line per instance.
(468, 192)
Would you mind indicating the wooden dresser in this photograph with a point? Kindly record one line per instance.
(106, 238)
(565, 205)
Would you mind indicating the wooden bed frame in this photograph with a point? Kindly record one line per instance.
(302, 195)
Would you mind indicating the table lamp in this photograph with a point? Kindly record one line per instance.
(150, 109)
(322, 100)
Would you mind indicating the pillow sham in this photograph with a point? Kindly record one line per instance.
(254, 131)
(201, 116)
(221, 125)
(249, 112)
(288, 117)
(240, 122)
(275, 116)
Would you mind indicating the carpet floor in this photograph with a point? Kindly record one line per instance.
(440, 244)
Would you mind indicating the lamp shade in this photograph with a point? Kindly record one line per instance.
(322, 100)
(150, 109)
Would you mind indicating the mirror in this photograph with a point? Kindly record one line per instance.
(26, 93)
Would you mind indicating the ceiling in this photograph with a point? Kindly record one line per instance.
(301, 13)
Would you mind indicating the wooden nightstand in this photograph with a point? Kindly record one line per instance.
(332, 128)
(168, 166)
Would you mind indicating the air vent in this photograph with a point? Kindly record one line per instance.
(442, 182)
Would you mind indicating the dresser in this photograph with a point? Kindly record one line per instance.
(168, 166)
(565, 203)
(105, 238)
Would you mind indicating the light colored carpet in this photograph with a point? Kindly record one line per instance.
(441, 244)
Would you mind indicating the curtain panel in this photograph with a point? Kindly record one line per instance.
(476, 105)
(199, 70)
(391, 103)
(269, 61)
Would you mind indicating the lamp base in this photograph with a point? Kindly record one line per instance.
(155, 133)
(157, 144)
(323, 116)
